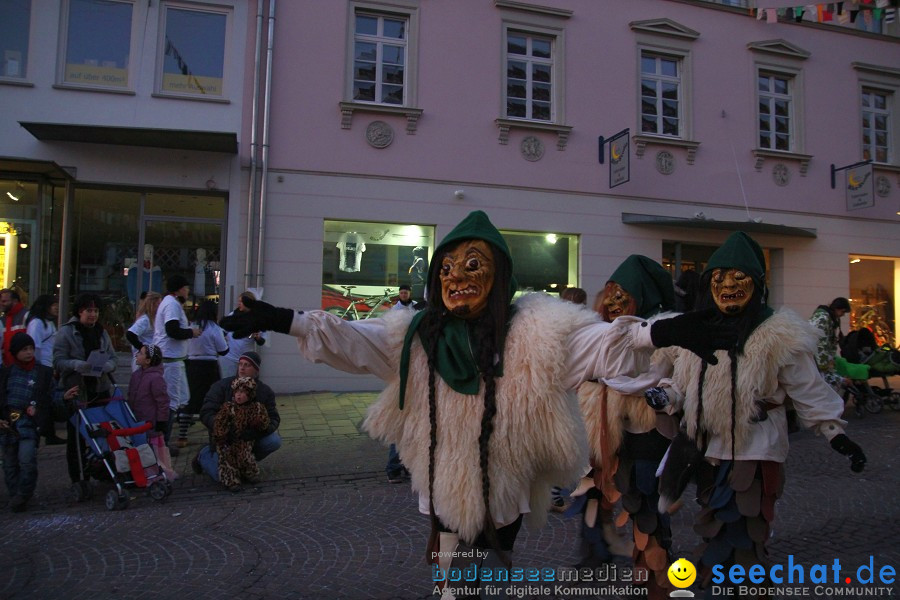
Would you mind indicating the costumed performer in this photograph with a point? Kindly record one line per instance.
(734, 421)
(628, 438)
(476, 386)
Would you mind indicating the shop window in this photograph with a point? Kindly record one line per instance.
(19, 244)
(97, 44)
(543, 261)
(363, 264)
(181, 234)
(873, 297)
(192, 51)
(15, 18)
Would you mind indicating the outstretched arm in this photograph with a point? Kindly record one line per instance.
(351, 346)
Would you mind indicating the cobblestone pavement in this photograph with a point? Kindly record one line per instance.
(326, 524)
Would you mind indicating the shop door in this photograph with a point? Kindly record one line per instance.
(191, 248)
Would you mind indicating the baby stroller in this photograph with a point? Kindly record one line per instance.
(117, 444)
(879, 361)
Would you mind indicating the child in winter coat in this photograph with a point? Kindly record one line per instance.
(25, 389)
(147, 394)
(234, 430)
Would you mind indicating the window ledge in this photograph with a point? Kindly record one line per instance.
(641, 142)
(17, 82)
(412, 114)
(562, 131)
(198, 97)
(761, 155)
(102, 90)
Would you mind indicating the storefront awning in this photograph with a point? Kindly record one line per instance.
(179, 139)
(707, 223)
(23, 167)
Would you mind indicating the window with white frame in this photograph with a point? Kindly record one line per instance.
(192, 50)
(876, 118)
(97, 43)
(380, 58)
(775, 111)
(529, 76)
(661, 94)
(15, 18)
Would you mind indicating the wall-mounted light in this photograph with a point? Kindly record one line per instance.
(853, 261)
(551, 238)
(459, 194)
(23, 242)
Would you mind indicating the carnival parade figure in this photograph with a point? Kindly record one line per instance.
(734, 438)
(627, 437)
(475, 397)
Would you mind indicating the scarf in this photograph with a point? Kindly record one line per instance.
(455, 357)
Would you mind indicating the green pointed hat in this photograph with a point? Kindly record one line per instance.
(740, 251)
(454, 358)
(476, 226)
(648, 283)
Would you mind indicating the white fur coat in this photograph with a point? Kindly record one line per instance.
(775, 342)
(538, 437)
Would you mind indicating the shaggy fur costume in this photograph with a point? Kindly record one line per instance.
(538, 439)
(770, 347)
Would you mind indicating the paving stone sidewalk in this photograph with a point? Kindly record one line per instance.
(325, 523)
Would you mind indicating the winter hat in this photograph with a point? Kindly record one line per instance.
(20, 340)
(248, 384)
(405, 287)
(253, 358)
(648, 283)
(175, 283)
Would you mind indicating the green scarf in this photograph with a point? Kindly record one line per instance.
(455, 356)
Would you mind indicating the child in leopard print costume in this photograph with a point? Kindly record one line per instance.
(238, 416)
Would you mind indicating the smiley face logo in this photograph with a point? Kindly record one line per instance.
(682, 573)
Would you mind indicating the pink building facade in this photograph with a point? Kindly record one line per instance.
(391, 120)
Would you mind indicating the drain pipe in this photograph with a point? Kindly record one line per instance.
(265, 149)
(251, 195)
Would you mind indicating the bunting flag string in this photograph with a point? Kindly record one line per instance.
(839, 13)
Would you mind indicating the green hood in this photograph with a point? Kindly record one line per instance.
(476, 226)
(455, 359)
(740, 251)
(648, 283)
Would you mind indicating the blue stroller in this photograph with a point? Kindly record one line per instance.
(117, 443)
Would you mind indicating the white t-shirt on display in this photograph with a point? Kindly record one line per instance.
(351, 248)
(170, 310)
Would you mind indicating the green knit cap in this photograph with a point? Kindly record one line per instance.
(740, 251)
(648, 283)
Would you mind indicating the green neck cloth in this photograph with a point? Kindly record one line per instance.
(455, 353)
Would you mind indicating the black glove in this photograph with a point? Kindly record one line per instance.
(851, 450)
(695, 331)
(249, 436)
(261, 316)
(161, 426)
(657, 398)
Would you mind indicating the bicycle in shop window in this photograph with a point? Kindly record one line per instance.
(362, 307)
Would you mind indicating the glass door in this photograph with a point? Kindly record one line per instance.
(189, 248)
